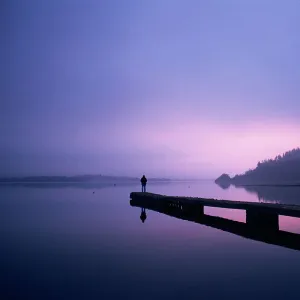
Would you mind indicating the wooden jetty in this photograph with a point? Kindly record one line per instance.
(262, 219)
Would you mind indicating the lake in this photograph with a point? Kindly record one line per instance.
(87, 242)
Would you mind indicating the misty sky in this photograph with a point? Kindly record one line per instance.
(163, 87)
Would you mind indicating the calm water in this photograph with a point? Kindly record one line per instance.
(68, 243)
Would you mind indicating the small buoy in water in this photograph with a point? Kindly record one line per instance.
(189, 186)
(93, 192)
(114, 184)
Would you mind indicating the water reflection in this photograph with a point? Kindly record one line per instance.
(266, 234)
(223, 185)
(277, 194)
(68, 243)
(288, 195)
(143, 216)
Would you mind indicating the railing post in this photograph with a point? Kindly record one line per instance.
(262, 220)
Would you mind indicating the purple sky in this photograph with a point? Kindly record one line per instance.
(162, 87)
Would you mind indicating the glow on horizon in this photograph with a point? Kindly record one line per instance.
(190, 147)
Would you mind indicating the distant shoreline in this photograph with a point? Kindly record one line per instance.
(74, 179)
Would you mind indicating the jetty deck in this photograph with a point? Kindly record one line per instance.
(262, 219)
(264, 215)
(270, 208)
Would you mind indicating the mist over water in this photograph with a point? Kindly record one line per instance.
(89, 243)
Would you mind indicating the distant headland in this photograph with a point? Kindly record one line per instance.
(283, 170)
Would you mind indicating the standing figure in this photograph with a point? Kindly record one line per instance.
(143, 182)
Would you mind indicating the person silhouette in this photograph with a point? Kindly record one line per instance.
(144, 182)
(143, 216)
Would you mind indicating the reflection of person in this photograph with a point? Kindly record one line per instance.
(143, 182)
(143, 216)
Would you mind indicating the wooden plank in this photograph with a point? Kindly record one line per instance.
(280, 209)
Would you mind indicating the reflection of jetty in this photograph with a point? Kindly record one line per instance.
(261, 218)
